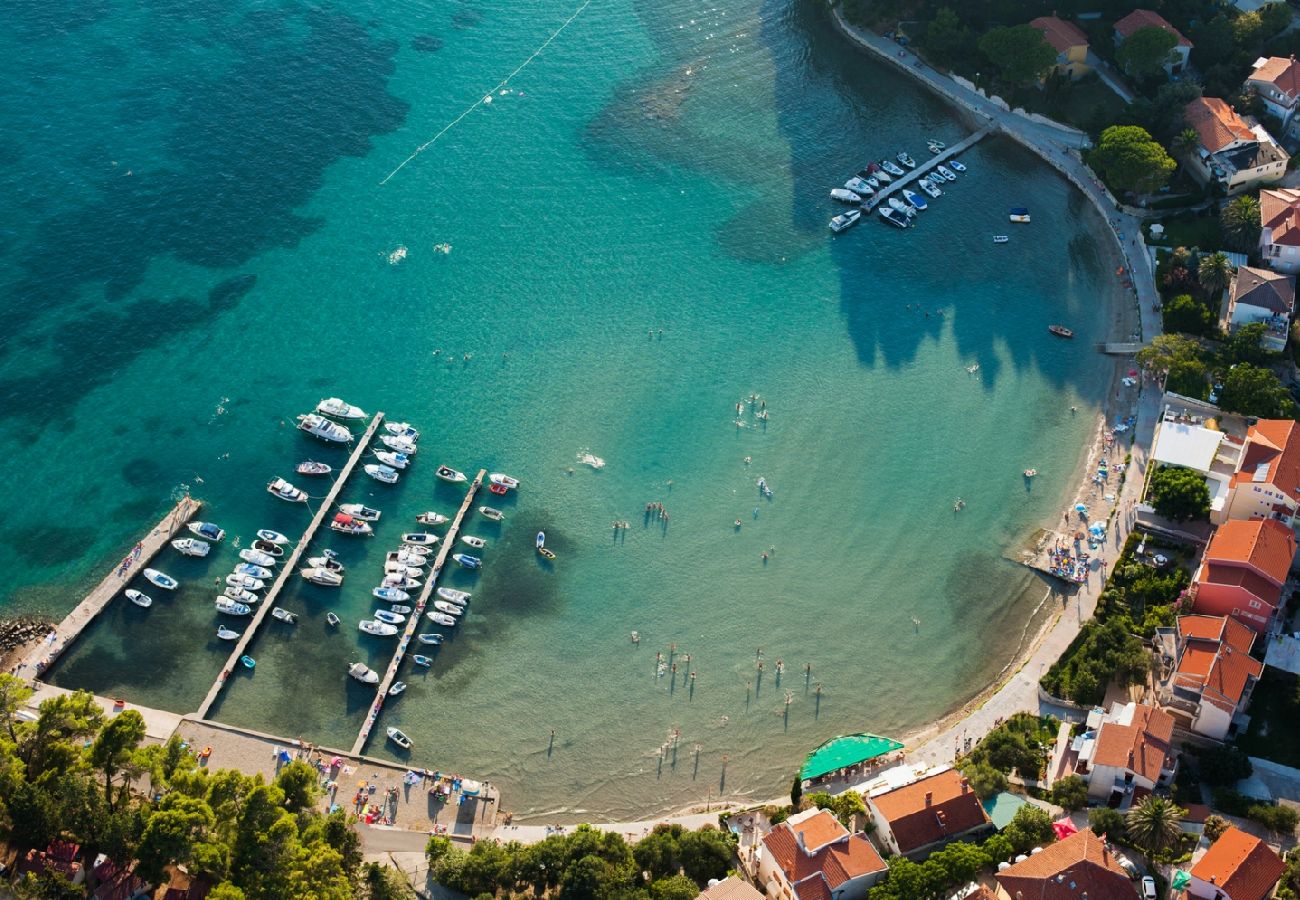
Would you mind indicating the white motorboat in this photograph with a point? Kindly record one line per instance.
(206, 530)
(286, 491)
(273, 537)
(946, 173)
(191, 547)
(284, 616)
(401, 445)
(323, 428)
(880, 174)
(432, 518)
(440, 619)
(488, 512)
(422, 661)
(433, 640)
(331, 620)
(345, 524)
(957, 166)
(469, 562)
(254, 571)
(246, 582)
(1019, 214)
(376, 628)
(386, 474)
(845, 220)
(902, 207)
(227, 634)
(477, 543)
(322, 577)
(400, 609)
(360, 511)
(397, 688)
(268, 548)
(504, 480)
(1001, 238)
(391, 618)
(450, 609)
(451, 595)
(846, 195)
(257, 557)
(139, 599)
(402, 430)
(407, 556)
(420, 538)
(333, 406)
(311, 467)
(890, 168)
(916, 200)
(363, 673)
(391, 595)
(937, 146)
(396, 568)
(231, 608)
(893, 216)
(906, 160)
(869, 177)
(929, 187)
(395, 735)
(241, 595)
(403, 582)
(424, 550)
(328, 561)
(161, 579)
(393, 459)
(855, 187)
(447, 473)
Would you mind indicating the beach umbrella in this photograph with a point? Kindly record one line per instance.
(1079, 507)
(1064, 829)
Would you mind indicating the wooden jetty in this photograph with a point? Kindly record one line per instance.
(413, 623)
(923, 167)
(288, 568)
(39, 659)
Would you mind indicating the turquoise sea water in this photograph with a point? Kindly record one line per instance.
(194, 249)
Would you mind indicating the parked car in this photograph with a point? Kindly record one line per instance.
(1148, 888)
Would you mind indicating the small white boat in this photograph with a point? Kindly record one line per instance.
(397, 688)
(916, 201)
(895, 203)
(391, 618)
(396, 568)
(268, 548)
(246, 582)
(845, 220)
(376, 628)
(420, 538)
(433, 640)
(386, 474)
(506, 481)
(407, 556)
(311, 467)
(906, 160)
(1019, 214)
(893, 216)
(938, 146)
(855, 187)
(286, 491)
(161, 579)
(587, 458)
(328, 561)
(252, 570)
(880, 174)
(1001, 238)
(360, 511)
(432, 518)
(867, 176)
(323, 428)
(846, 195)
(929, 187)
(402, 430)
(227, 634)
(440, 619)
(392, 459)
(451, 595)
(257, 557)
(139, 599)
(401, 445)
(241, 595)
(422, 661)
(322, 577)
(331, 620)
(345, 524)
(957, 166)
(231, 608)
(284, 616)
(273, 537)
(450, 609)
(447, 473)
(403, 582)
(946, 173)
(333, 406)
(191, 547)
(395, 735)
(476, 542)
(206, 530)
(363, 673)
(890, 167)
(469, 562)
(488, 512)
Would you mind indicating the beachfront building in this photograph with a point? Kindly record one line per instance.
(1145, 18)
(1279, 233)
(732, 888)
(1232, 152)
(1070, 43)
(1243, 570)
(1267, 483)
(1187, 443)
(916, 819)
(1081, 865)
(1238, 866)
(1210, 680)
(811, 856)
(1276, 79)
(1126, 753)
(1258, 295)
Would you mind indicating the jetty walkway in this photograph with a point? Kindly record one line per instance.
(41, 657)
(413, 623)
(288, 568)
(925, 166)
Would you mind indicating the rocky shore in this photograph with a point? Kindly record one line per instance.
(19, 633)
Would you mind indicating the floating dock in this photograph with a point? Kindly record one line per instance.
(923, 167)
(288, 569)
(413, 623)
(39, 659)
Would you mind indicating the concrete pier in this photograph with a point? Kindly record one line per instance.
(413, 623)
(288, 568)
(41, 657)
(923, 167)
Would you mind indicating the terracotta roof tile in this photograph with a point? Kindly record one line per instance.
(1279, 211)
(1083, 864)
(1246, 579)
(1059, 33)
(1216, 659)
(838, 858)
(1216, 123)
(732, 888)
(1266, 545)
(1142, 747)
(1207, 628)
(952, 809)
(1145, 18)
(1277, 442)
(1241, 865)
(1283, 72)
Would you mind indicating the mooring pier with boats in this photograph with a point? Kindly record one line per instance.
(925, 166)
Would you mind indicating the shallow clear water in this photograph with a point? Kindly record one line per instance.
(194, 250)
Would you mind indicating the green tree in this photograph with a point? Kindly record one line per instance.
(1189, 316)
(226, 891)
(796, 791)
(1019, 53)
(984, 780)
(1180, 494)
(946, 40)
(297, 781)
(1254, 392)
(1245, 345)
(177, 828)
(384, 883)
(1029, 827)
(1131, 160)
(1215, 826)
(674, 887)
(114, 748)
(706, 853)
(960, 862)
(1277, 819)
(1145, 51)
(1108, 823)
(1215, 272)
(1152, 825)
(1223, 766)
(1070, 793)
(1168, 350)
(1189, 379)
(1240, 222)
(1185, 142)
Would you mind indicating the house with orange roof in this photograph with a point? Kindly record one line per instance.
(1279, 234)
(1146, 18)
(732, 888)
(1238, 866)
(1243, 570)
(1070, 43)
(1276, 79)
(916, 819)
(1126, 753)
(811, 856)
(1081, 865)
(1212, 675)
(1267, 482)
(1260, 296)
(1231, 151)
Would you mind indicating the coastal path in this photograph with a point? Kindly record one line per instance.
(448, 540)
(44, 654)
(926, 166)
(288, 568)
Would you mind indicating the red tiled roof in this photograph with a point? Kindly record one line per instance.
(1059, 33)
(813, 889)
(1276, 442)
(1142, 747)
(1266, 545)
(1240, 865)
(1207, 628)
(1216, 123)
(1086, 864)
(1145, 18)
(817, 831)
(915, 821)
(1279, 210)
(732, 888)
(1196, 813)
(1282, 72)
(1246, 579)
(839, 860)
(1216, 659)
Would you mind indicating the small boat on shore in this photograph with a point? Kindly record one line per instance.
(272, 537)
(477, 543)
(488, 512)
(916, 201)
(360, 511)
(433, 640)
(139, 599)
(432, 518)
(227, 634)
(345, 524)
(1001, 238)
(376, 628)
(393, 459)
(336, 408)
(451, 595)
(284, 616)
(363, 673)
(390, 618)
(395, 735)
(252, 570)
(248, 661)
(322, 577)
(450, 609)
(906, 160)
(257, 557)
(161, 579)
(206, 530)
(422, 661)
(893, 216)
(311, 467)
(402, 430)
(845, 221)
(946, 173)
(400, 444)
(191, 547)
(331, 620)
(450, 475)
(1060, 331)
(1019, 214)
(323, 429)
(957, 166)
(386, 474)
(420, 538)
(397, 688)
(231, 608)
(241, 595)
(469, 562)
(442, 619)
(846, 195)
(286, 491)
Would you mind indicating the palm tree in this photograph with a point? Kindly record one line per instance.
(1240, 220)
(1215, 273)
(1152, 825)
(1185, 142)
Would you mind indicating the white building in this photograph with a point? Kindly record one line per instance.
(1260, 296)
(1233, 152)
(1126, 753)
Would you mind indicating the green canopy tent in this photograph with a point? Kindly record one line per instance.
(844, 751)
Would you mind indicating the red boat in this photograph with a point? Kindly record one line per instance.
(498, 489)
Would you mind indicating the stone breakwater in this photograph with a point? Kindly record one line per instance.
(19, 632)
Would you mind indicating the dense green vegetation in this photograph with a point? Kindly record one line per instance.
(1020, 744)
(1245, 383)
(1129, 159)
(1179, 494)
(1274, 731)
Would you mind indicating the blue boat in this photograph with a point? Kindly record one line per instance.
(248, 661)
(469, 562)
(916, 200)
(421, 660)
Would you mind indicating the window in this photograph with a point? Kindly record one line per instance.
(1254, 604)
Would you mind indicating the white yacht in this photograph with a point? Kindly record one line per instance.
(257, 557)
(845, 220)
(845, 195)
(161, 579)
(333, 406)
(346, 524)
(286, 491)
(360, 511)
(393, 459)
(400, 444)
(386, 474)
(855, 186)
(191, 546)
(323, 428)
(363, 673)
(377, 628)
(323, 577)
(231, 608)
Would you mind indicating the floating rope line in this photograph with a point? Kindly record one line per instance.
(484, 97)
